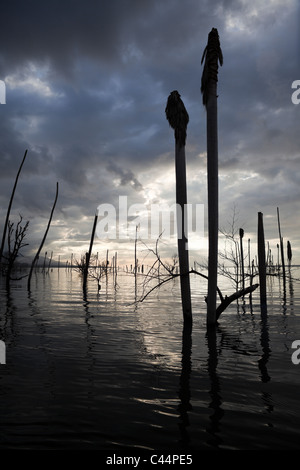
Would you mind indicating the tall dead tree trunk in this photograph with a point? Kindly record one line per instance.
(178, 119)
(43, 241)
(241, 232)
(261, 262)
(213, 56)
(281, 251)
(289, 253)
(9, 207)
(88, 255)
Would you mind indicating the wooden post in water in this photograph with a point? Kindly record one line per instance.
(88, 255)
(261, 263)
(50, 259)
(242, 258)
(45, 257)
(281, 251)
(178, 119)
(289, 253)
(135, 258)
(213, 56)
(106, 264)
(249, 256)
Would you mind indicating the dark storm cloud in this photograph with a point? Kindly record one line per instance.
(61, 31)
(87, 84)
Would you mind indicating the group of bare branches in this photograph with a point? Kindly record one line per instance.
(16, 234)
(161, 272)
(95, 270)
(13, 237)
(235, 263)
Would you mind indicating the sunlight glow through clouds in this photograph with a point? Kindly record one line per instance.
(158, 189)
(256, 11)
(32, 79)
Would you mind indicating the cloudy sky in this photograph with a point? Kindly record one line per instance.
(86, 88)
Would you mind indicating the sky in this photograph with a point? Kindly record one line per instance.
(87, 84)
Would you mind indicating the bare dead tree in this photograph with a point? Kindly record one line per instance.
(43, 240)
(15, 240)
(95, 270)
(97, 273)
(9, 206)
(88, 254)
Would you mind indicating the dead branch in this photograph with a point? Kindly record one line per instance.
(167, 274)
(232, 297)
(43, 240)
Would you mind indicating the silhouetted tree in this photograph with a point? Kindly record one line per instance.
(289, 252)
(213, 56)
(9, 207)
(15, 241)
(261, 262)
(43, 240)
(88, 254)
(178, 119)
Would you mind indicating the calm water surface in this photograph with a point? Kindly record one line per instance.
(99, 373)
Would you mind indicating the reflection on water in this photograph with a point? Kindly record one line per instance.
(215, 389)
(266, 351)
(94, 371)
(184, 385)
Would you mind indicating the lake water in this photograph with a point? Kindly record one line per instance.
(100, 373)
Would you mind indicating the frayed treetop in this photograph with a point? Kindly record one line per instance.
(177, 116)
(213, 55)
